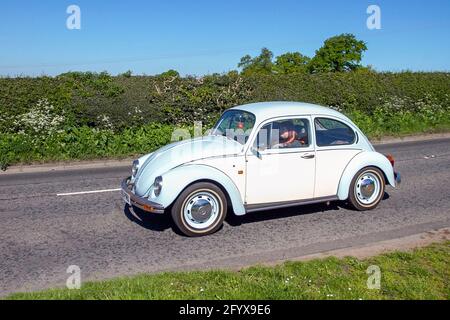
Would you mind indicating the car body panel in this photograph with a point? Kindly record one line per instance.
(179, 153)
(284, 176)
(361, 160)
(330, 163)
(275, 109)
(233, 166)
(245, 176)
(266, 168)
(181, 177)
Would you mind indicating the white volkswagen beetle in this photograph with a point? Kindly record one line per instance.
(260, 156)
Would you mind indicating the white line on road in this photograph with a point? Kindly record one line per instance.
(85, 192)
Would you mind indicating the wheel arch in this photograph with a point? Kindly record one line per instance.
(180, 178)
(360, 161)
(217, 184)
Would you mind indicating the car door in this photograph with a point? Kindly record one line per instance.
(336, 145)
(280, 173)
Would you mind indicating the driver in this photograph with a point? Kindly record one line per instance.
(288, 137)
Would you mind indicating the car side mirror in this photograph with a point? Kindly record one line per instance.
(256, 152)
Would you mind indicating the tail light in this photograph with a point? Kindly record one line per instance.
(391, 159)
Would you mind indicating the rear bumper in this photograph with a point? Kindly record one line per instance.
(398, 179)
(140, 202)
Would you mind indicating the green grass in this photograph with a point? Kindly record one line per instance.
(420, 274)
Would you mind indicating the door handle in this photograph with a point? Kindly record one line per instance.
(308, 156)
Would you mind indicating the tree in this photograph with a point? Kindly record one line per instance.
(291, 62)
(126, 74)
(169, 74)
(338, 54)
(261, 64)
(245, 63)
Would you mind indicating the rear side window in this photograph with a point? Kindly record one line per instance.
(330, 132)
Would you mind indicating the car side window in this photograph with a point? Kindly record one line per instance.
(331, 132)
(284, 134)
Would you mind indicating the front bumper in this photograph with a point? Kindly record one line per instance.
(398, 178)
(140, 202)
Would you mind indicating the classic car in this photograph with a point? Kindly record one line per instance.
(257, 157)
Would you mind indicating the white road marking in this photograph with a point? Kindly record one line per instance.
(85, 192)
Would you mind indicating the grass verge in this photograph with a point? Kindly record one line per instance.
(419, 274)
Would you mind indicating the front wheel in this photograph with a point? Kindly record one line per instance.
(367, 189)
(200, 209)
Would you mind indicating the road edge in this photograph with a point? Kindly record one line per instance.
(360, 251)
(113, 163)
(403, 244)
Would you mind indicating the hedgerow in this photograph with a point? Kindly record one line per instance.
(82, 143)
(88, 115)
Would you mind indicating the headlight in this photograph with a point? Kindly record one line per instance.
(157, 185)
(135, 168)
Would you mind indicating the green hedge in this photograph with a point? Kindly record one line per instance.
(82, 143)
(88, 115)
(87, 98)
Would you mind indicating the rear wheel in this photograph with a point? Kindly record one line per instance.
(200, 209)
(367, 189)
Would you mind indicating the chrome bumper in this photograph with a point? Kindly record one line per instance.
(398, 178)
(140, 202)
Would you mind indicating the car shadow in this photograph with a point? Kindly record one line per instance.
(151, 221)
(162, 222)
(267, 215)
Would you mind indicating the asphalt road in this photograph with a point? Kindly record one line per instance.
(41, 234)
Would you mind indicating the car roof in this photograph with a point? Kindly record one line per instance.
(267, 110)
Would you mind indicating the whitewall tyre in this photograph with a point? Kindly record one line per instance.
(200, 209)
(367, 189)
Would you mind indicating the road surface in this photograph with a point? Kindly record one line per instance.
(42, 233)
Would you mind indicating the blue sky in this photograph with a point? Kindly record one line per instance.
(199, 37)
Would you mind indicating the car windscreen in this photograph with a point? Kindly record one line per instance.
(235, 124)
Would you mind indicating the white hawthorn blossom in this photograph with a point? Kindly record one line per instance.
(105, 122)
(42, 119)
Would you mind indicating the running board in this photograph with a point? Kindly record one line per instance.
(286, 204)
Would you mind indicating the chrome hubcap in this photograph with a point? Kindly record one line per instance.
(201, 210)
(367, 188)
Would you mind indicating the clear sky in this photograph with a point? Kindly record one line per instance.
(205, 36)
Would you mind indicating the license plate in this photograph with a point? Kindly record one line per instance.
(126, 197)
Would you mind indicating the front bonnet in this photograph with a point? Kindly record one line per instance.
(178, 153)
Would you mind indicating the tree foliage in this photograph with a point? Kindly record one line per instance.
(338, 54)
(291, 62)
(261, 64)
(169, 74)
